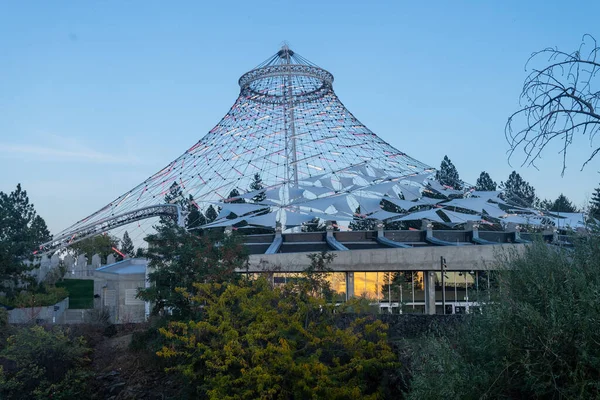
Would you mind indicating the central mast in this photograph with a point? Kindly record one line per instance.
(291, 164)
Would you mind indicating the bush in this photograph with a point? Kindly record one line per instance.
(43, 363)
(252, 341)
(46, 296)
(538, 338)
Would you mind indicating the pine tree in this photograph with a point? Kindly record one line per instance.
(194, 218)
(447, 175)
(127, 245)
(257, 184)
(211, 214)
(235, 195)
(518, 190)
(485, 183)
(173, 196)
(545, 204)
(595, 204)
(21, 233)
(361, 224)
(563, 204)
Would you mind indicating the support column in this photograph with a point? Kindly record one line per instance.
(349, 285)
(429, 280)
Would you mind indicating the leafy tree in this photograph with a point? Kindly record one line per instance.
(42, 364)
(127, 245)
(485, 182)
(519, 191)
(538, 337)
(251, 341)
(360, 223)
(194, 218)
(448, 175)
(257, 184)
(100, 244)
(21, 232)
(178, 259)
(559, 100)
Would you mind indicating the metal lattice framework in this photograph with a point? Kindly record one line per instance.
(288, 126)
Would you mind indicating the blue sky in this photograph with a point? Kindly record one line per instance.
(97, 96)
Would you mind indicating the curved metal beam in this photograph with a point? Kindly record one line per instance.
(68, 238)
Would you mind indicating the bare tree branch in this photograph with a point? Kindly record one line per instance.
(559, 100)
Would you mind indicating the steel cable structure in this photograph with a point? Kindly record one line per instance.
(315, 160)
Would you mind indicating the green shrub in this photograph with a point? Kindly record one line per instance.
(43, 363)
(47, 296)
(538, 338)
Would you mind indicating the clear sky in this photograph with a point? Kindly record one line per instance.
(97, 96)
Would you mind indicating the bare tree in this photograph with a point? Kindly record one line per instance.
(559, 100)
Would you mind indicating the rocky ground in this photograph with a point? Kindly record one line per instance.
(120, 373)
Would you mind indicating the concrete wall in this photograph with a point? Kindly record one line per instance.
(117, 295)
(39, 314)
(458, 258)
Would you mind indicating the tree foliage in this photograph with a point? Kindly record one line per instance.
(360, 223)
(447, 175)
(194, 218)
(519, 191)
(559, 101)
(561, 204)
(127, 247)
(100, 244)
(178, 259)
(42, 364)
(257, 185)
(21, 232)
(537, 338)
(211, 214)
(595, 204)
(485, 182)
(253, 341)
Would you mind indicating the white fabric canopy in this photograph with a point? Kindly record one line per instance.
(238, 208)
(382, 215)
(427, 214)
(264, 220)
(459, 218)
(368, 204)
(478, 205)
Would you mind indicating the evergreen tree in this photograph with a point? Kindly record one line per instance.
(179, 259)
(127, 245)
(173, 196)
(447, 175)
(545, 204)
(485, 183)
(257, 184)
(211, 214)
(595, 204)
(518, 190)
(318, 225)
(194, 218)
(234, 194)
(21, 233)
(361, 224)
(563, 204)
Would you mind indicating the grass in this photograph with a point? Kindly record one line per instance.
(81, 292)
